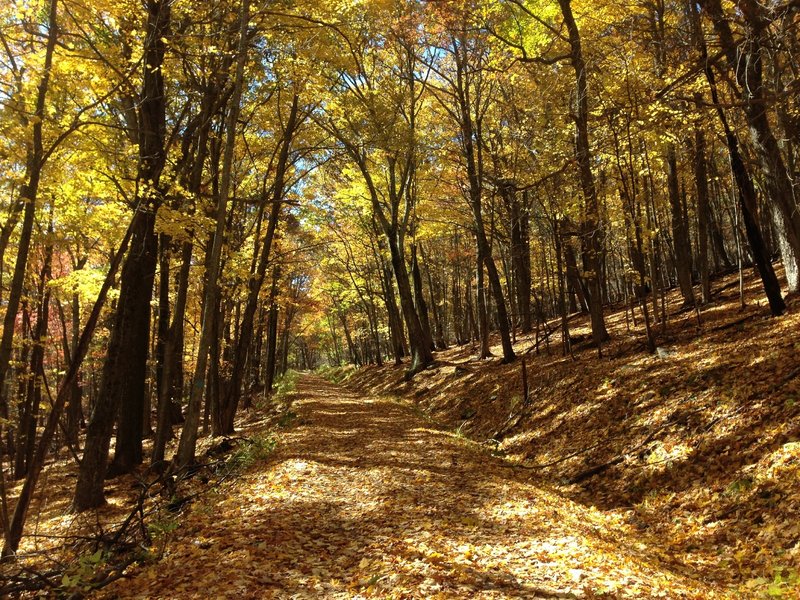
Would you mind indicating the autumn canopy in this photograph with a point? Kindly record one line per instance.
(198, 198)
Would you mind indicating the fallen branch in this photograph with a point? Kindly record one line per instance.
(591, 471)
(732, 323)
(596, 469)
(558, 460)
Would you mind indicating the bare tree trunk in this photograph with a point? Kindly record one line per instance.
(188, 440)
(566, 346)
(591, 229)
(680, 231)
(28, 195)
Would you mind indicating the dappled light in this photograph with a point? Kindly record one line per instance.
(695, 451)
(399, 299)
(359, 498)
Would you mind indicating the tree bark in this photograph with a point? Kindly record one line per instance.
(745, 62)
(680, 231)
(28, 195)
(591, 228)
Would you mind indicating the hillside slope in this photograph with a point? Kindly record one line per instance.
(696, 448)
(363, 499)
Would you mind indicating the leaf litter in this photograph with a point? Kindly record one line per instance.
(365, 499)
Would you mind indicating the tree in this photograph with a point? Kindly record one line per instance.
(463, 93)
(591, 231)
(28, 195)
(746, 64)
(374, 121)
(188, 440)
(124, 369)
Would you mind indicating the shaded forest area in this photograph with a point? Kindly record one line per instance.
(200, 197)
(694, 449)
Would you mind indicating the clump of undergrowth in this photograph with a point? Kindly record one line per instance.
(336, 374)
(283, 385)
(250, 451)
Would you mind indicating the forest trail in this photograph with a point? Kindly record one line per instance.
(364, 498)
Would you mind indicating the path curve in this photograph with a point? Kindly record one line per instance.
(363, 498)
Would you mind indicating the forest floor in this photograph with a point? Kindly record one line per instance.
(694, 451)
(675, 475)
(364, 497)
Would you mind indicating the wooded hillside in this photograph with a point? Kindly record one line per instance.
(199, 197)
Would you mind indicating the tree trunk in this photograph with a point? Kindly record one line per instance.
(28, 195)
(14, 534)
(441, 343)
(74, 408)
(701, 186)
(576, 283)
(162, 332)
(272, 332)
(421, 355)
(122, 380)
(170, 391)
(747, 200)
(232, 398)
(483, 316)
(395, 321)
(746, 63)
(520, 255)
(747, 204)
(122, 385)
(419, 298)
(475, 201)
(680, 231)
(591, 229)
(188, 440)
(566, 344)
(26, 442)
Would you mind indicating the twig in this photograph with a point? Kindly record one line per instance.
(618, 459)
(558, 460)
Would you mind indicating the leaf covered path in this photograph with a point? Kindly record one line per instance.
(363, 498)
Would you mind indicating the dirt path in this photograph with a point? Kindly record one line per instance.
(362, 499)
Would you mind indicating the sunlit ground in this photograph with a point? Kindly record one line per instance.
(362, 499)
(697, 446)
